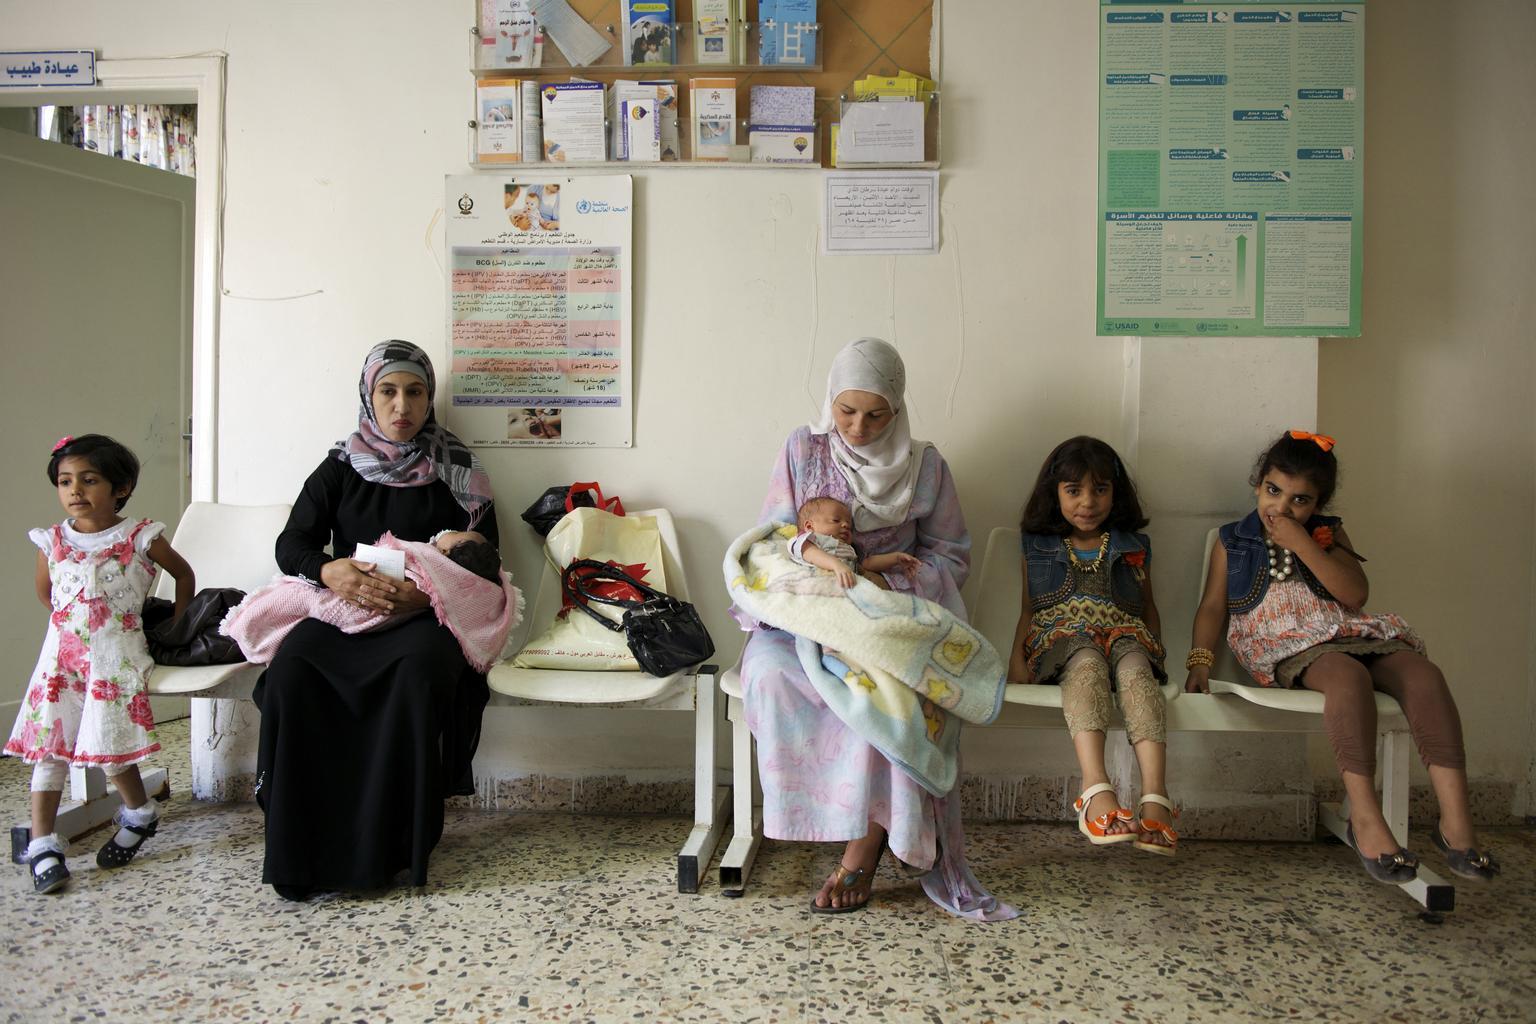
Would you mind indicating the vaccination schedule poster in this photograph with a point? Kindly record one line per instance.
(1230, 168)
(539, 310)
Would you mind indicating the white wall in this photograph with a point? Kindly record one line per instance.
(344, 117)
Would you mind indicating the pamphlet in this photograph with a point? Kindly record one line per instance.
(713, 107)
(499, 120)
(648, 27)
(713, 35)
(573, 122)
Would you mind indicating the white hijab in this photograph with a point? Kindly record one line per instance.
(882, 474)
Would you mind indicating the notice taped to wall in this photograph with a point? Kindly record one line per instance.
(539, 310)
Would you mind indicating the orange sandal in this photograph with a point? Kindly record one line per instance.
(1098, 829)
(1146, 827)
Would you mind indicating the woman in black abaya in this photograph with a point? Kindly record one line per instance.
(364, 735)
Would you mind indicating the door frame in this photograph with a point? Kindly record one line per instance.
(200, 80)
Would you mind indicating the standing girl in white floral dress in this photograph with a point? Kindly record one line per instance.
(88, 703)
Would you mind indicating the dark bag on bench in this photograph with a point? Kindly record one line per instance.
(664, 634)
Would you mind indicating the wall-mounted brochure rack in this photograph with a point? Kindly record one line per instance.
(687, 48)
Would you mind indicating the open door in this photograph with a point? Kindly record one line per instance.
(96, 268)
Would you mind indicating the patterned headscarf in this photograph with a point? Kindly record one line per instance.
(433, 454)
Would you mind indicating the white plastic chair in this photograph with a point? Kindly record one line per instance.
(1229, 680)
(692, 690)
(227, 546)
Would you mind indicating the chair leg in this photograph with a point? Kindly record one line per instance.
(747, 822)
(709, 797)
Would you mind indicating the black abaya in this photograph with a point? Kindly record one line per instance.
(363, 735)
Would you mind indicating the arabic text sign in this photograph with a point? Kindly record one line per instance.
(23, 69)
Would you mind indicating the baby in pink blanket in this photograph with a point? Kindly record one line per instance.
(459, 571)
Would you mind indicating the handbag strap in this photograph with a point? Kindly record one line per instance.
(613, 505)
(574, 576)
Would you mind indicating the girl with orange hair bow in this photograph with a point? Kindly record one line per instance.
(1287, 587)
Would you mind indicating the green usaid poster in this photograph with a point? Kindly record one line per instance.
(1231, 143)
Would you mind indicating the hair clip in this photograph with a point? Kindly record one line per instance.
(1323, 441)
(61, 442)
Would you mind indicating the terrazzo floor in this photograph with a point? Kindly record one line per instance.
(554, 917)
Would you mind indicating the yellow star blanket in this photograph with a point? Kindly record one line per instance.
(898, 669)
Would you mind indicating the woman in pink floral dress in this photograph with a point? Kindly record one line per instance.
(87, 704)
(821, 781)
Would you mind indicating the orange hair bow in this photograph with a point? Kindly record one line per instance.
(1323, 441)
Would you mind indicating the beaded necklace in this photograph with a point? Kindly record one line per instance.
(1282, 570)
(1098, 559)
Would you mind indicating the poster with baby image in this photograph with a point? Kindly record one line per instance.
(539, 310)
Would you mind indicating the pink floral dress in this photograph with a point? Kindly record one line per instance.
(88, 703)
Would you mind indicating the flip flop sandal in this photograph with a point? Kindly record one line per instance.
(52, 879)
(114, 855)
(1098, 829)
(1147, 827)
(845, 881)
(1391, 868)
(1469, 863)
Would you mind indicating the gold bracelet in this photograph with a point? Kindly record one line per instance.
(1200, 657)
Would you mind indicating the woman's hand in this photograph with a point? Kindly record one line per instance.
(407, 598)
(360, 584)
(1198, 680)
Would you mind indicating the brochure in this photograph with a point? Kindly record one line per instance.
(782, 143)
(648, 26)
(499, 120)
(713, 34)
(712, 103)
(573, 122)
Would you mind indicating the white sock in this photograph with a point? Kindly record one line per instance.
(141, 816)
(51, 843)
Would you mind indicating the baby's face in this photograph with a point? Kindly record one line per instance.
(453, 538)
(832, 519)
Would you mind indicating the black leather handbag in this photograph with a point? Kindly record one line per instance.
(193, 639)
(664, 634)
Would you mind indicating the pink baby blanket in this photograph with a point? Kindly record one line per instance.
(479, 613)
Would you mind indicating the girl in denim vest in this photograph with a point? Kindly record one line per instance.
(1086, 617)
(1289, 580)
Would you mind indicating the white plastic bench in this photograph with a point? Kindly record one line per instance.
(1235, 704)
(692, 691)
(227, 546)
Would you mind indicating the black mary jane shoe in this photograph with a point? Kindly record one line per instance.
(1469, 863)
(1391, 868)
(54, 878)
(114, 855)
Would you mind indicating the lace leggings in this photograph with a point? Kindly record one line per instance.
(1087, 704)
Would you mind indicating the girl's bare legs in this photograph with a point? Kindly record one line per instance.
(860, 854)
(130, 786)
(45, 811)
(1152, 759)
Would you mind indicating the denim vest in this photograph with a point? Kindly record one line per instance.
(1248, 562)
(1052, 570)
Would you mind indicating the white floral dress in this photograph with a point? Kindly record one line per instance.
(87, 703)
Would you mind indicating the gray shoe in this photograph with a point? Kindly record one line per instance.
(1469, 863)
(1391, 868)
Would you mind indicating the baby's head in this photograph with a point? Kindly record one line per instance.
(1307, 460)
(470, 550)
(97, 452)
(829, 516)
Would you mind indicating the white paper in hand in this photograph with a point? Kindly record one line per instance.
(391, 563)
